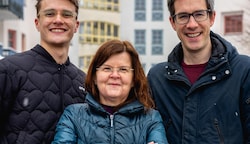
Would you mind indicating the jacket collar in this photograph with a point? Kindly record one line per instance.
(220, 48)
(41, 51)
(128, 109)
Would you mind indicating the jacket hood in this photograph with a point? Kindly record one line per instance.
(220, 47)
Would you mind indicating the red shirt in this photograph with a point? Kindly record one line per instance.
(193, 71)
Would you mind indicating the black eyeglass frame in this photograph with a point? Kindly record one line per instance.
(208, 11)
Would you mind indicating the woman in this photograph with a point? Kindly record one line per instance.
(118, 107)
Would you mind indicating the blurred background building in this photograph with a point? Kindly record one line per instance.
(10, 10)
(99, 22)
(145, 23)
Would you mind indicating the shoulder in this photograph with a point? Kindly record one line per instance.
(77, 107)
(158, 68)
(240, 60)
(75, 70)
(154, 114)
(23, 60)
(19, 57)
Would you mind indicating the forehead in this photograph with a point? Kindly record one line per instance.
(120, 59)
(57, 5)
(189, 5)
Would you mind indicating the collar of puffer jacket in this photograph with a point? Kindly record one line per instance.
(41, 51)
(131, 108)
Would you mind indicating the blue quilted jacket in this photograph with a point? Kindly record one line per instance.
(34, 90)
(89, 123)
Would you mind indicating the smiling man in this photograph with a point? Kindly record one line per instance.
(203, 90)
(36, 86)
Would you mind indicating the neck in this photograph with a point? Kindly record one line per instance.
(197, 57)
(59, 53)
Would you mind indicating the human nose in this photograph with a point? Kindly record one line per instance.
(191, 21)
(58, 17)
(115, 72)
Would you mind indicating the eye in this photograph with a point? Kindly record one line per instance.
(124, 69)
(106, 69)
(49, 13)
(183, 16)
(199, 14)
(67, 14)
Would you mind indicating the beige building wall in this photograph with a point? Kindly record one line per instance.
(224, 7)
(87, 50)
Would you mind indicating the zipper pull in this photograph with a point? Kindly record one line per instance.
(111, 120)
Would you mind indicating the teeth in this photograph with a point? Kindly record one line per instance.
(57, 30)
(193, 35)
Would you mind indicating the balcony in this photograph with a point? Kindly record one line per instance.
(11, 9)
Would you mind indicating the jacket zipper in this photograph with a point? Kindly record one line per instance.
(61, 69)
(216, 123)
(111, 120)
(111, 117)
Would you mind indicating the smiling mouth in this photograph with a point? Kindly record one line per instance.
(193, 35)
(57, 30)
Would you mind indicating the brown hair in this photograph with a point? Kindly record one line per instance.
(210, 5)
(74, 2)
(140, 91)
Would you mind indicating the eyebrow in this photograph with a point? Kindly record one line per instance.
(64, 10)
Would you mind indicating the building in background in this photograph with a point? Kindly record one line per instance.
(10, 10)
(145, 23)
(232, 22)
(99, 22)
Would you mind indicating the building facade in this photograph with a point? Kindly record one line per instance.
(99, 22)
(146, 24)
(10, 10)
(232, 22)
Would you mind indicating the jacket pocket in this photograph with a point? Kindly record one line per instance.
(217, 127)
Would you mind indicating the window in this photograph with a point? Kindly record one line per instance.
(157, 10)
(97, 32)
(157, 44)
(233, 23)
(140, 10)
(81, 62)
(23, 42)
(84, 62)
(12, 39)
(140, 41)
(108, 5)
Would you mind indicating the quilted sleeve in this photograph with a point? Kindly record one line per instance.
(6, 90)
(245, 106)
(65, 131)
(157, 133)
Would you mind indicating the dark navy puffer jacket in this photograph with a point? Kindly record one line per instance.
(34, 90)
(216, 108)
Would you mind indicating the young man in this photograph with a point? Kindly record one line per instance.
(36, 86)
(203, 90)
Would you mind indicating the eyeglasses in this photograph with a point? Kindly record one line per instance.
(51, 13)
(120, 70)
(183, 18)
